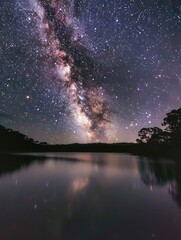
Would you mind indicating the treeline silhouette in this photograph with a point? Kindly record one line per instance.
(153, 142)
(15, 141)
(171, 134)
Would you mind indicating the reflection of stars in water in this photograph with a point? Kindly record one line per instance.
(61, 60)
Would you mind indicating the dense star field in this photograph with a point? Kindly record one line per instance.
(88, 70)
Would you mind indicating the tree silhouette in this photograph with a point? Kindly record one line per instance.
(172, 123)
(14, 140)
(151, 135)
(171, 134)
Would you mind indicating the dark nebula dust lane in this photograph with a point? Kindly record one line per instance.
(88, 70)
(73, 67)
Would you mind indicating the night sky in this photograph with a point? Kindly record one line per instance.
(88, 70)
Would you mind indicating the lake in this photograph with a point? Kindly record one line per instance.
(82, 196)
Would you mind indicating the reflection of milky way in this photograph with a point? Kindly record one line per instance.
(79, 184)
(57, 28)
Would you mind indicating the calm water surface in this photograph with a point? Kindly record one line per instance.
(82, 196)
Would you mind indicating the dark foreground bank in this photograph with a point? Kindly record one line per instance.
(150, 150)
(14, 141)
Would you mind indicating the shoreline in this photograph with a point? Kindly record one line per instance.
(145, 150)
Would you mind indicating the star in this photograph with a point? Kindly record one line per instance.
(92, 67)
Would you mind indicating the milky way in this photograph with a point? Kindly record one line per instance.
(88, 70)
(72, 66)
